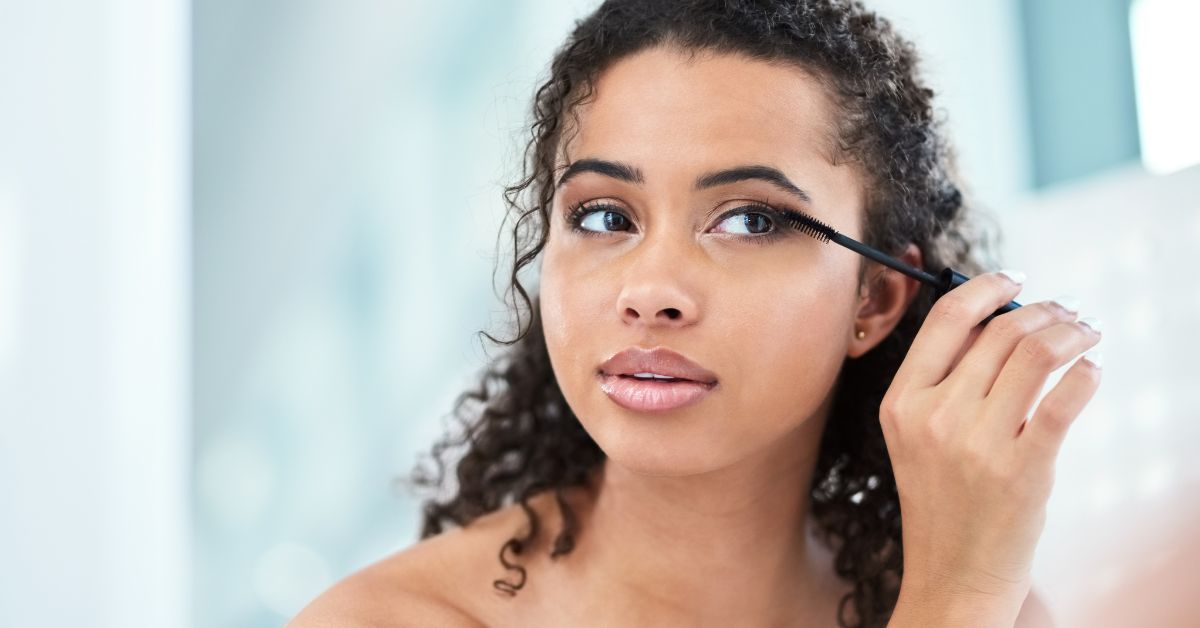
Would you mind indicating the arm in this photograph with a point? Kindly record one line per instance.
(917, 608)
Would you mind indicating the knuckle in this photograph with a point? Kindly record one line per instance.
(931, 432)
(1008, 326)
(938, 427)
(1020, 323)
(1004, 475)
(1049, 310)
(979, 456)
(1055, 411)
(951, 308)
(890, 409)
(1039, 351)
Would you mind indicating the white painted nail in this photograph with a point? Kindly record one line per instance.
(1069, 303)
(1015, 275)
(1094, 323)
(1096, 357)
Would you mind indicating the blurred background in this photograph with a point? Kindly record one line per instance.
(245, 247)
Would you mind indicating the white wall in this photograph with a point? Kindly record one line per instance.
(93, 313)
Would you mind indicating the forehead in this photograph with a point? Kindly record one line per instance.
(663, 105)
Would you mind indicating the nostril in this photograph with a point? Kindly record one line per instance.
(671, 313)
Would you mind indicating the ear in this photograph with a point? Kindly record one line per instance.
(883, 299)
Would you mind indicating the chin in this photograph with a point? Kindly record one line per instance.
(659, 466)
(660, 446)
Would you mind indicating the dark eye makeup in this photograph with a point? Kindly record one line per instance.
(757, 214)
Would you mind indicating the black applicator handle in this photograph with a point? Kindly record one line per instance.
(951, 279)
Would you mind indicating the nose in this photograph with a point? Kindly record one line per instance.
(658, 294)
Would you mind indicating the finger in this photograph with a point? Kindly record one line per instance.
(949, 323)
(967, 344)
(975, 374)
(1059, 408)
(1025, 373)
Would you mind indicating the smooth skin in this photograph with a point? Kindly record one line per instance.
(700, 515)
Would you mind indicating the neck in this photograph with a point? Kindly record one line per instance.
(731, 542)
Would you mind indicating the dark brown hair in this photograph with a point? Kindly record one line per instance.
(519, 434)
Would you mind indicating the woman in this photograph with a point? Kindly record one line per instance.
(709, 418)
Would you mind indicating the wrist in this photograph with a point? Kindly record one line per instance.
(931, 604)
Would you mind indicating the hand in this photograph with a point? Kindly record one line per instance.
(973, 474)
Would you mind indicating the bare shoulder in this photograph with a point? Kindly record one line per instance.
(362, 602)
(1034, 612)
(398, 591)
(445, 580)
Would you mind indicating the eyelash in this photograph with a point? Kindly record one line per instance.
(781, 226)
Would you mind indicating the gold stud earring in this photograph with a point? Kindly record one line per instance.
(860, 334)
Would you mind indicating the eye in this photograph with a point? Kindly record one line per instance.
(748, 222)
(597, 218)
(757, 223)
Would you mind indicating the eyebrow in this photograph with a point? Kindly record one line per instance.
(630, 174)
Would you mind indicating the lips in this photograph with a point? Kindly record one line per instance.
(659, 361)
(654, 380)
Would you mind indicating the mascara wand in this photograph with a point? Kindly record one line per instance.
(943, 282)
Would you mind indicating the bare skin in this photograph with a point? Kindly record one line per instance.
(446, 581)
(699, 515)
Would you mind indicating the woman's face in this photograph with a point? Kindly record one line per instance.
(769, 312)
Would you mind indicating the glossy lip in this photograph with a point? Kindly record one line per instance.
(693, 382)
(659, 361)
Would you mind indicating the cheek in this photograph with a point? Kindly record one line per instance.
(786, 333)
(573, 313)
(791, 347)
(779, 346)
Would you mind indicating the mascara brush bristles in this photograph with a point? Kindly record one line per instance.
(812, 227)
(824, 233)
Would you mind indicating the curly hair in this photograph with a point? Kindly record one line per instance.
(520, 436)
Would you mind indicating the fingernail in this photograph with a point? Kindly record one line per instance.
(1094, 323)
(1015, 275)
(1068, 303)
(1095, 357)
